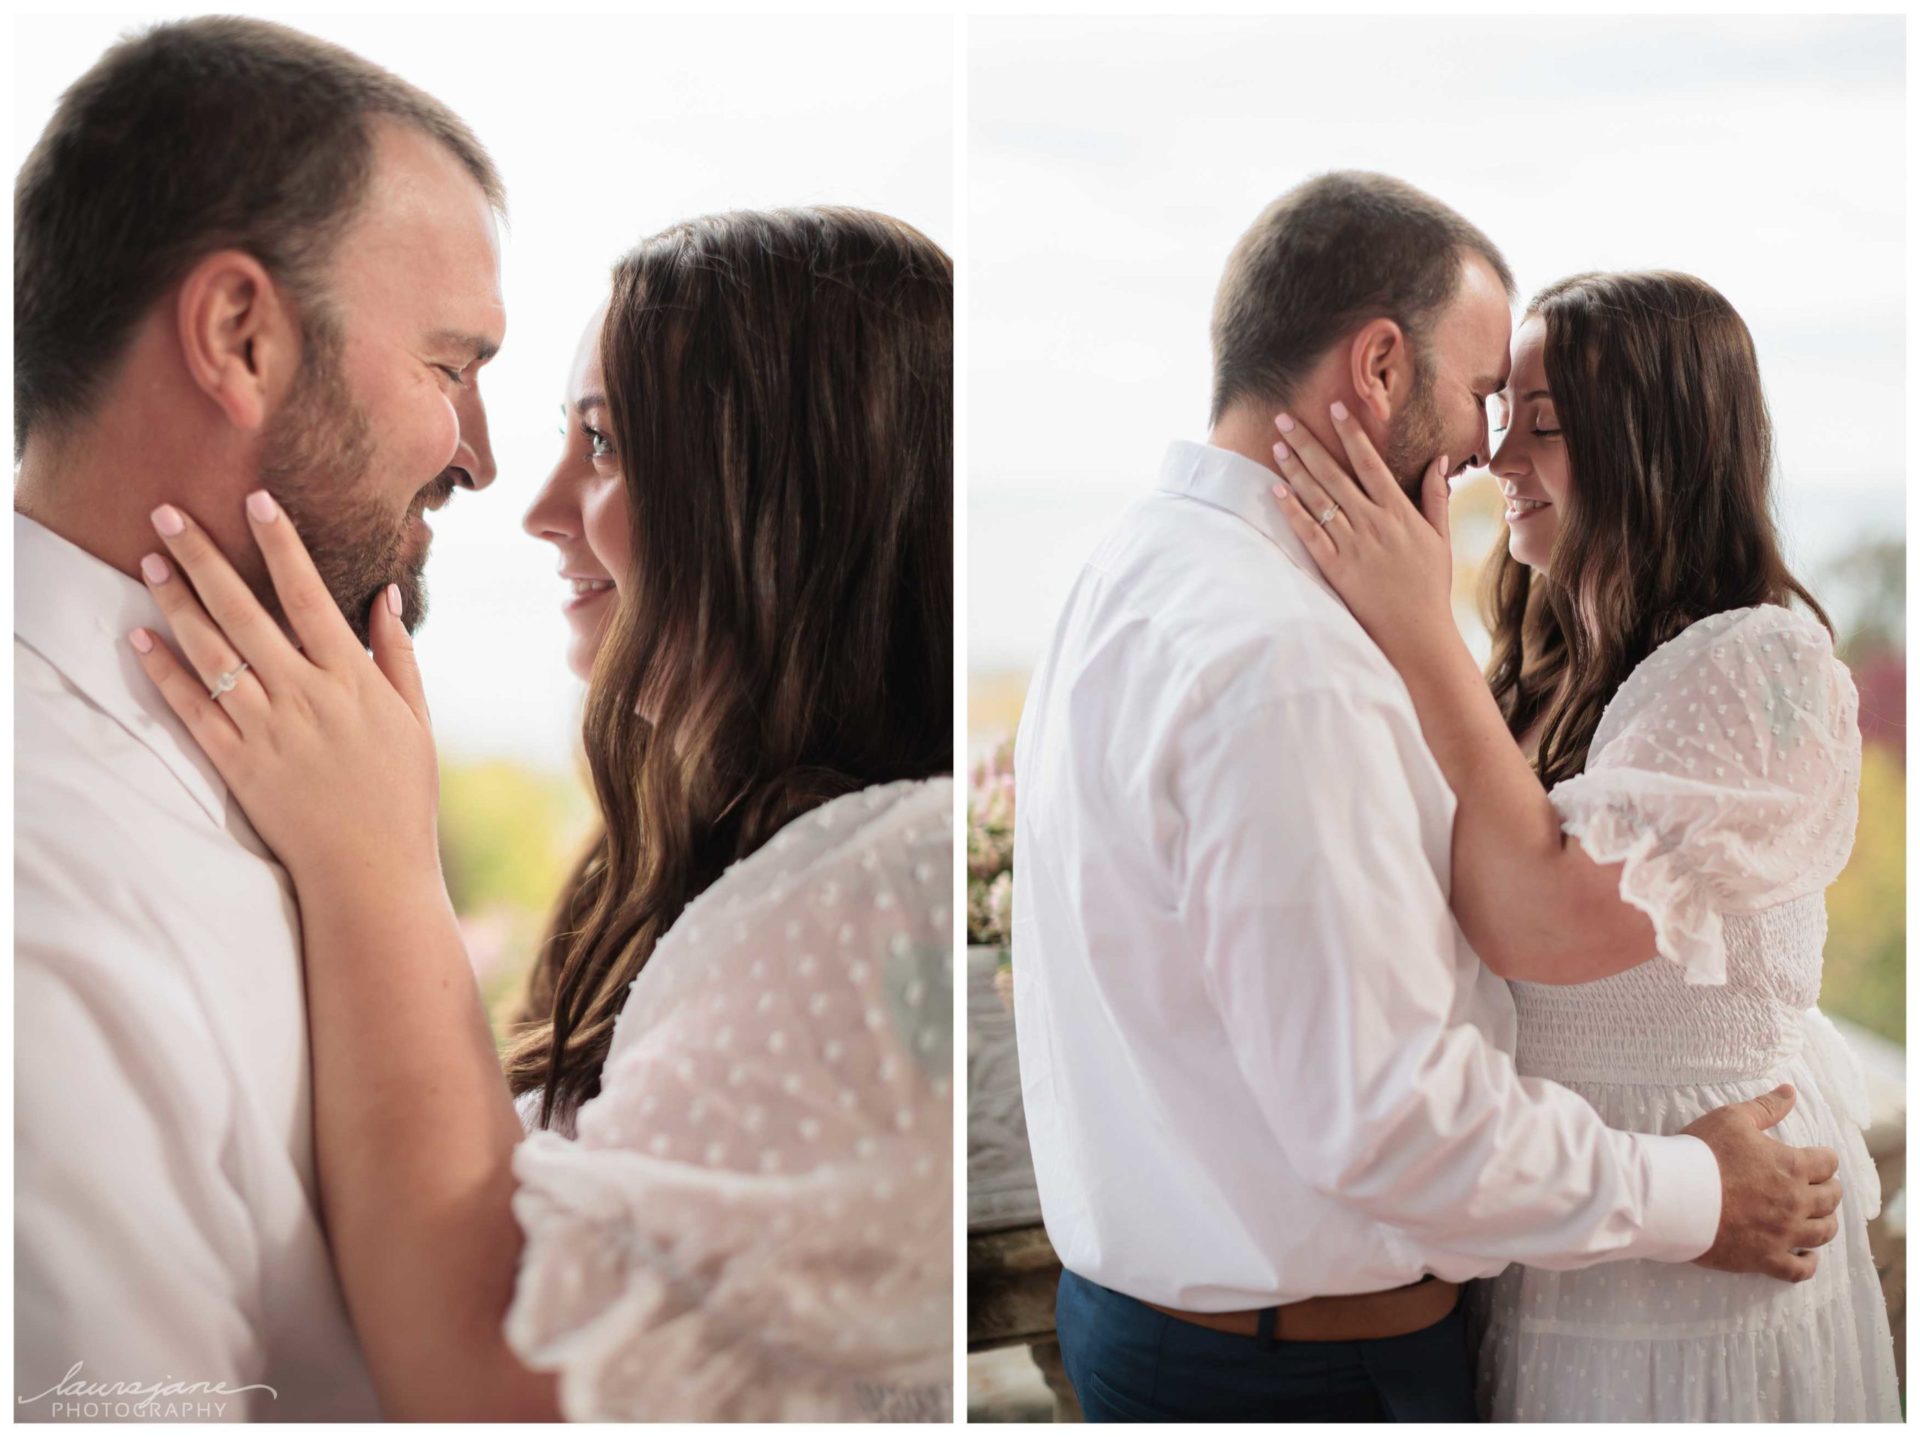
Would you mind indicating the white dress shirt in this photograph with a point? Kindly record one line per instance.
(1260, 1063)
(165, 1220)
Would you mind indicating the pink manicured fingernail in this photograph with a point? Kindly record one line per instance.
(393, 600)
(1285, 421)
(155, 568)
(260, 504)
(1339, 410)
(1281, 490)
(1280, 452)
(168, 521)
(141, 640)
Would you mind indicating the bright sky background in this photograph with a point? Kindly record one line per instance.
(1113, 162)
(606, 128)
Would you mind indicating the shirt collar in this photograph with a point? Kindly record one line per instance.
(74, 611)
(1235, 483)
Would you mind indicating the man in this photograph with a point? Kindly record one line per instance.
(242, 258)
(1269, 1090)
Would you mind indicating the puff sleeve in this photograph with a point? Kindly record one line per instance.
(755, 1222)
(1725, 777)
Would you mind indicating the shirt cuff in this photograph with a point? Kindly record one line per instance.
(1683, 1199)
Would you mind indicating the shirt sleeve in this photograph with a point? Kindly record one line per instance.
(1731, 784)
(755, 1223)
(134, 1255)
(1329, 949)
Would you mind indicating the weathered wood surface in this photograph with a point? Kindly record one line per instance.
(1011, 1279)
(1012, 1272)
(1000, 1187)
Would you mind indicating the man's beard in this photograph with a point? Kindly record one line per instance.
(319, 451)
(1414, 440)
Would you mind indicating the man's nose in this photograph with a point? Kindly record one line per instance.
(476, 448)
(479, 465)
(1484, 446)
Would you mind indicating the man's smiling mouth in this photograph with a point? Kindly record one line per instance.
(440, 493)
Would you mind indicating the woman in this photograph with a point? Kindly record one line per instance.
(743, 1007)
(1652, 697)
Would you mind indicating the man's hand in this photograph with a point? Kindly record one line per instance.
(1777, 1202)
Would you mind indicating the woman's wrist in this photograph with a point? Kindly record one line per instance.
(1431, 652)
(372, 883)
(1457, 711)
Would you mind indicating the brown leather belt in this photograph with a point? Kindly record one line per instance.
(1360, 1317)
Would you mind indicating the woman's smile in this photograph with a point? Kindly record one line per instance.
(585, 591)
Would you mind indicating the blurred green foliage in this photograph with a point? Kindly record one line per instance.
(1866, 969)
(1865, 591)
(509, 834)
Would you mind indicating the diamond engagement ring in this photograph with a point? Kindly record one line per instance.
(1327, 518)
(226, 683)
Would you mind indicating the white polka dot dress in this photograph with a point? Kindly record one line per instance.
(1724, 775)
(755, 1221)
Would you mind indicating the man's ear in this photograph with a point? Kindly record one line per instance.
(237, 335)
(1382, 369)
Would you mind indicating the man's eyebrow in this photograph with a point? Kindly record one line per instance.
(479, 347)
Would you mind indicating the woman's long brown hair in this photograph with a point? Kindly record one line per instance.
(780, 391)
(1657, 391)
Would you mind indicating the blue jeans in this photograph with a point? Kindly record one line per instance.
(1129, 1363)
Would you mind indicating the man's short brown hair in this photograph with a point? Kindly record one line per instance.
(1323, 259)
(189, 138)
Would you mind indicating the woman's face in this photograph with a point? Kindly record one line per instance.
(582, 509)
(1531, 462)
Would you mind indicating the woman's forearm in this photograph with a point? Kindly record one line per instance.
(1533, 905)
(414, 1133)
